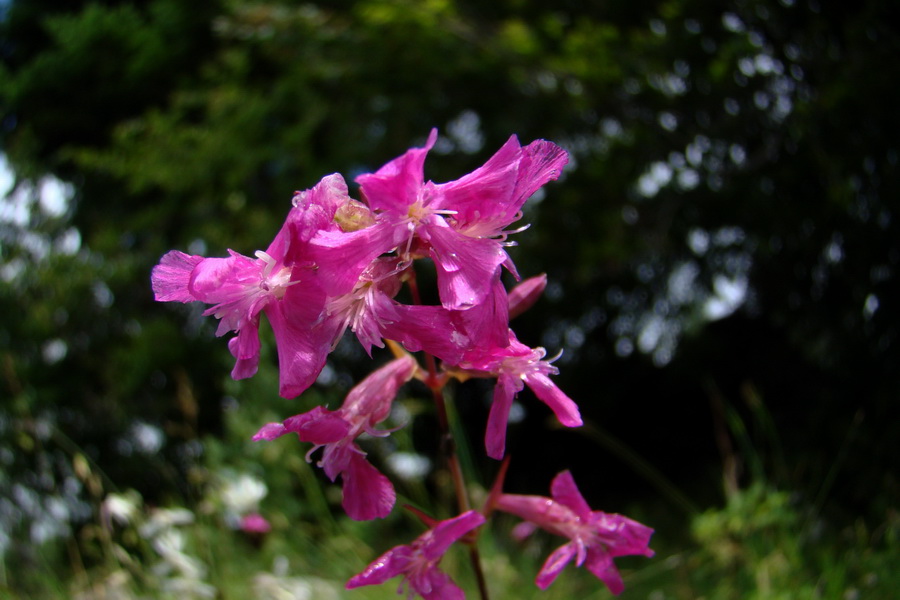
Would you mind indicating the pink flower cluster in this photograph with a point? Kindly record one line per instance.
(339, 263)
(595, 538)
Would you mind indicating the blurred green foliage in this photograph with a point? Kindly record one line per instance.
(722, 253)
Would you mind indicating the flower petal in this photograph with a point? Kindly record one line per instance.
(523, 530)
(445, 533)
(343, 256)
(223, 280)
(372, 397)
(623, 536)
(602, 566)
(433, 329)
(544, 512)
(486, 324)
(388, 565)
(302, 348)
(367, 493)
(565, 492)
(554, 565)
(318, 426)
(466, 266)
(562, 406)
(495, 433)
(396, 185)
(245, 348)
(542, 161)
(171, 277)
(269, 432)
(490, 198)
(418, 561)
(434, 584)
(482, 199)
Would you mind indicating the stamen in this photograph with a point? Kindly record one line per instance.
(520, 229)
(505, 234)
(270, 262)
(555, 357)
(310, 453)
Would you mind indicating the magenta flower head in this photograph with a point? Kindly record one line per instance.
(370, 311)
(461, 224)
(516, 366)
(418, 562)
(367, 494)
(595, 537)
(255, 523)
(279, 282)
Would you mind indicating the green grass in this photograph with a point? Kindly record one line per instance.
(758, 546)
(766, 540)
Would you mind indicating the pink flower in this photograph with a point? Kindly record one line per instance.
(459, 224)
(370, 311)
(279, 282)
(516, 366)
(255, 523)
(418, 561)
(367, 494)
(595, 537)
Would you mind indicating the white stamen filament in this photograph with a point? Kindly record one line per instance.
(276, 283)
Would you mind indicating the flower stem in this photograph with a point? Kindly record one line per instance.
(448, 449)
(436, 384)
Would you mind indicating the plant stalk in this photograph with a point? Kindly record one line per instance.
(436, 384)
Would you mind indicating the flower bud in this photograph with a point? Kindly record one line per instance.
(524, 295)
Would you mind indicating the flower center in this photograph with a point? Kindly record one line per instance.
(521, 366)
(272, 280)
(417, 211)
(351, 308)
